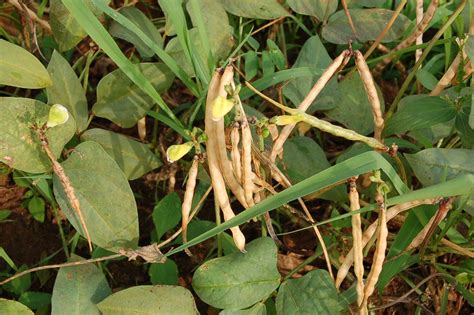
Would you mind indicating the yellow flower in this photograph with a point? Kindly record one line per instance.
(220, 107)
(58, 115)
(177, 151)
(286, 119)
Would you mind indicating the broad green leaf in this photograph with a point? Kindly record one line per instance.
(4, 214)
(20, 147)
(19, 285)
(78, 289)
(105, 197)
(432, 166)
(133, 157)
(314, 293)
(312, 55)
(35, 300)
(141, 20)
(36, 207)
(321, 9)
(13, 307)
(368, 23)
(216, 26)
(251, 65)
(123, 102)
(20, 68)
(257, 309)
(363, 3)
(167, 213)
(66, 30)
(418, 112)
(302, 158)
(240, 279)
(353, 109)
(149, 300)
(67, 90)
(262, 9)
(165, 273)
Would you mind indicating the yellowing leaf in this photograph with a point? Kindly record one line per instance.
(58, 115)
(220, 107)
(177, 151)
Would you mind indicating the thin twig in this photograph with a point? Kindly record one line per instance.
(44, 24)
(382, 34)
(349, 18)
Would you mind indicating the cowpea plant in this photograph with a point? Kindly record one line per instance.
(260, 168)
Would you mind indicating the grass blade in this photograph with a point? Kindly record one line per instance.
(167, 59)
(99, 34)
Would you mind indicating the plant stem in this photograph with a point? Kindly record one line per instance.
(423, 56)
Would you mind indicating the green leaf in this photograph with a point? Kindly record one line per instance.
(302, 158)
(368, 23)
(257, 309)
(20, 68)
(123, 102)
(167, 214)
(4, 214)
(240, 279)
(353, 109)
(36, 206)
(7, 259)
(418, 112)
(105, 197)
(78, 289)
(216, 27)
(133, 157)
(19, 285)
(20, 147)
(262, 9)
(312, 55)
(147, 299)
(138, 18)
(251, 65)
(469, 47)
(35, 300)
(165, 273)
(432, 166)
(13, 307)
(314, 293)
(321, 9)
(67, 90)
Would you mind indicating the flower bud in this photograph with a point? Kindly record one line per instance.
(286, 120)
(58, 115)
(177, 151)
(220, 107)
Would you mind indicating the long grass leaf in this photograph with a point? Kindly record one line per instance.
(99, 34)
(165, 57)
(360, 164)
(176, 14)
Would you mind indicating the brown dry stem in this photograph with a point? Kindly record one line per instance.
(66, 183)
